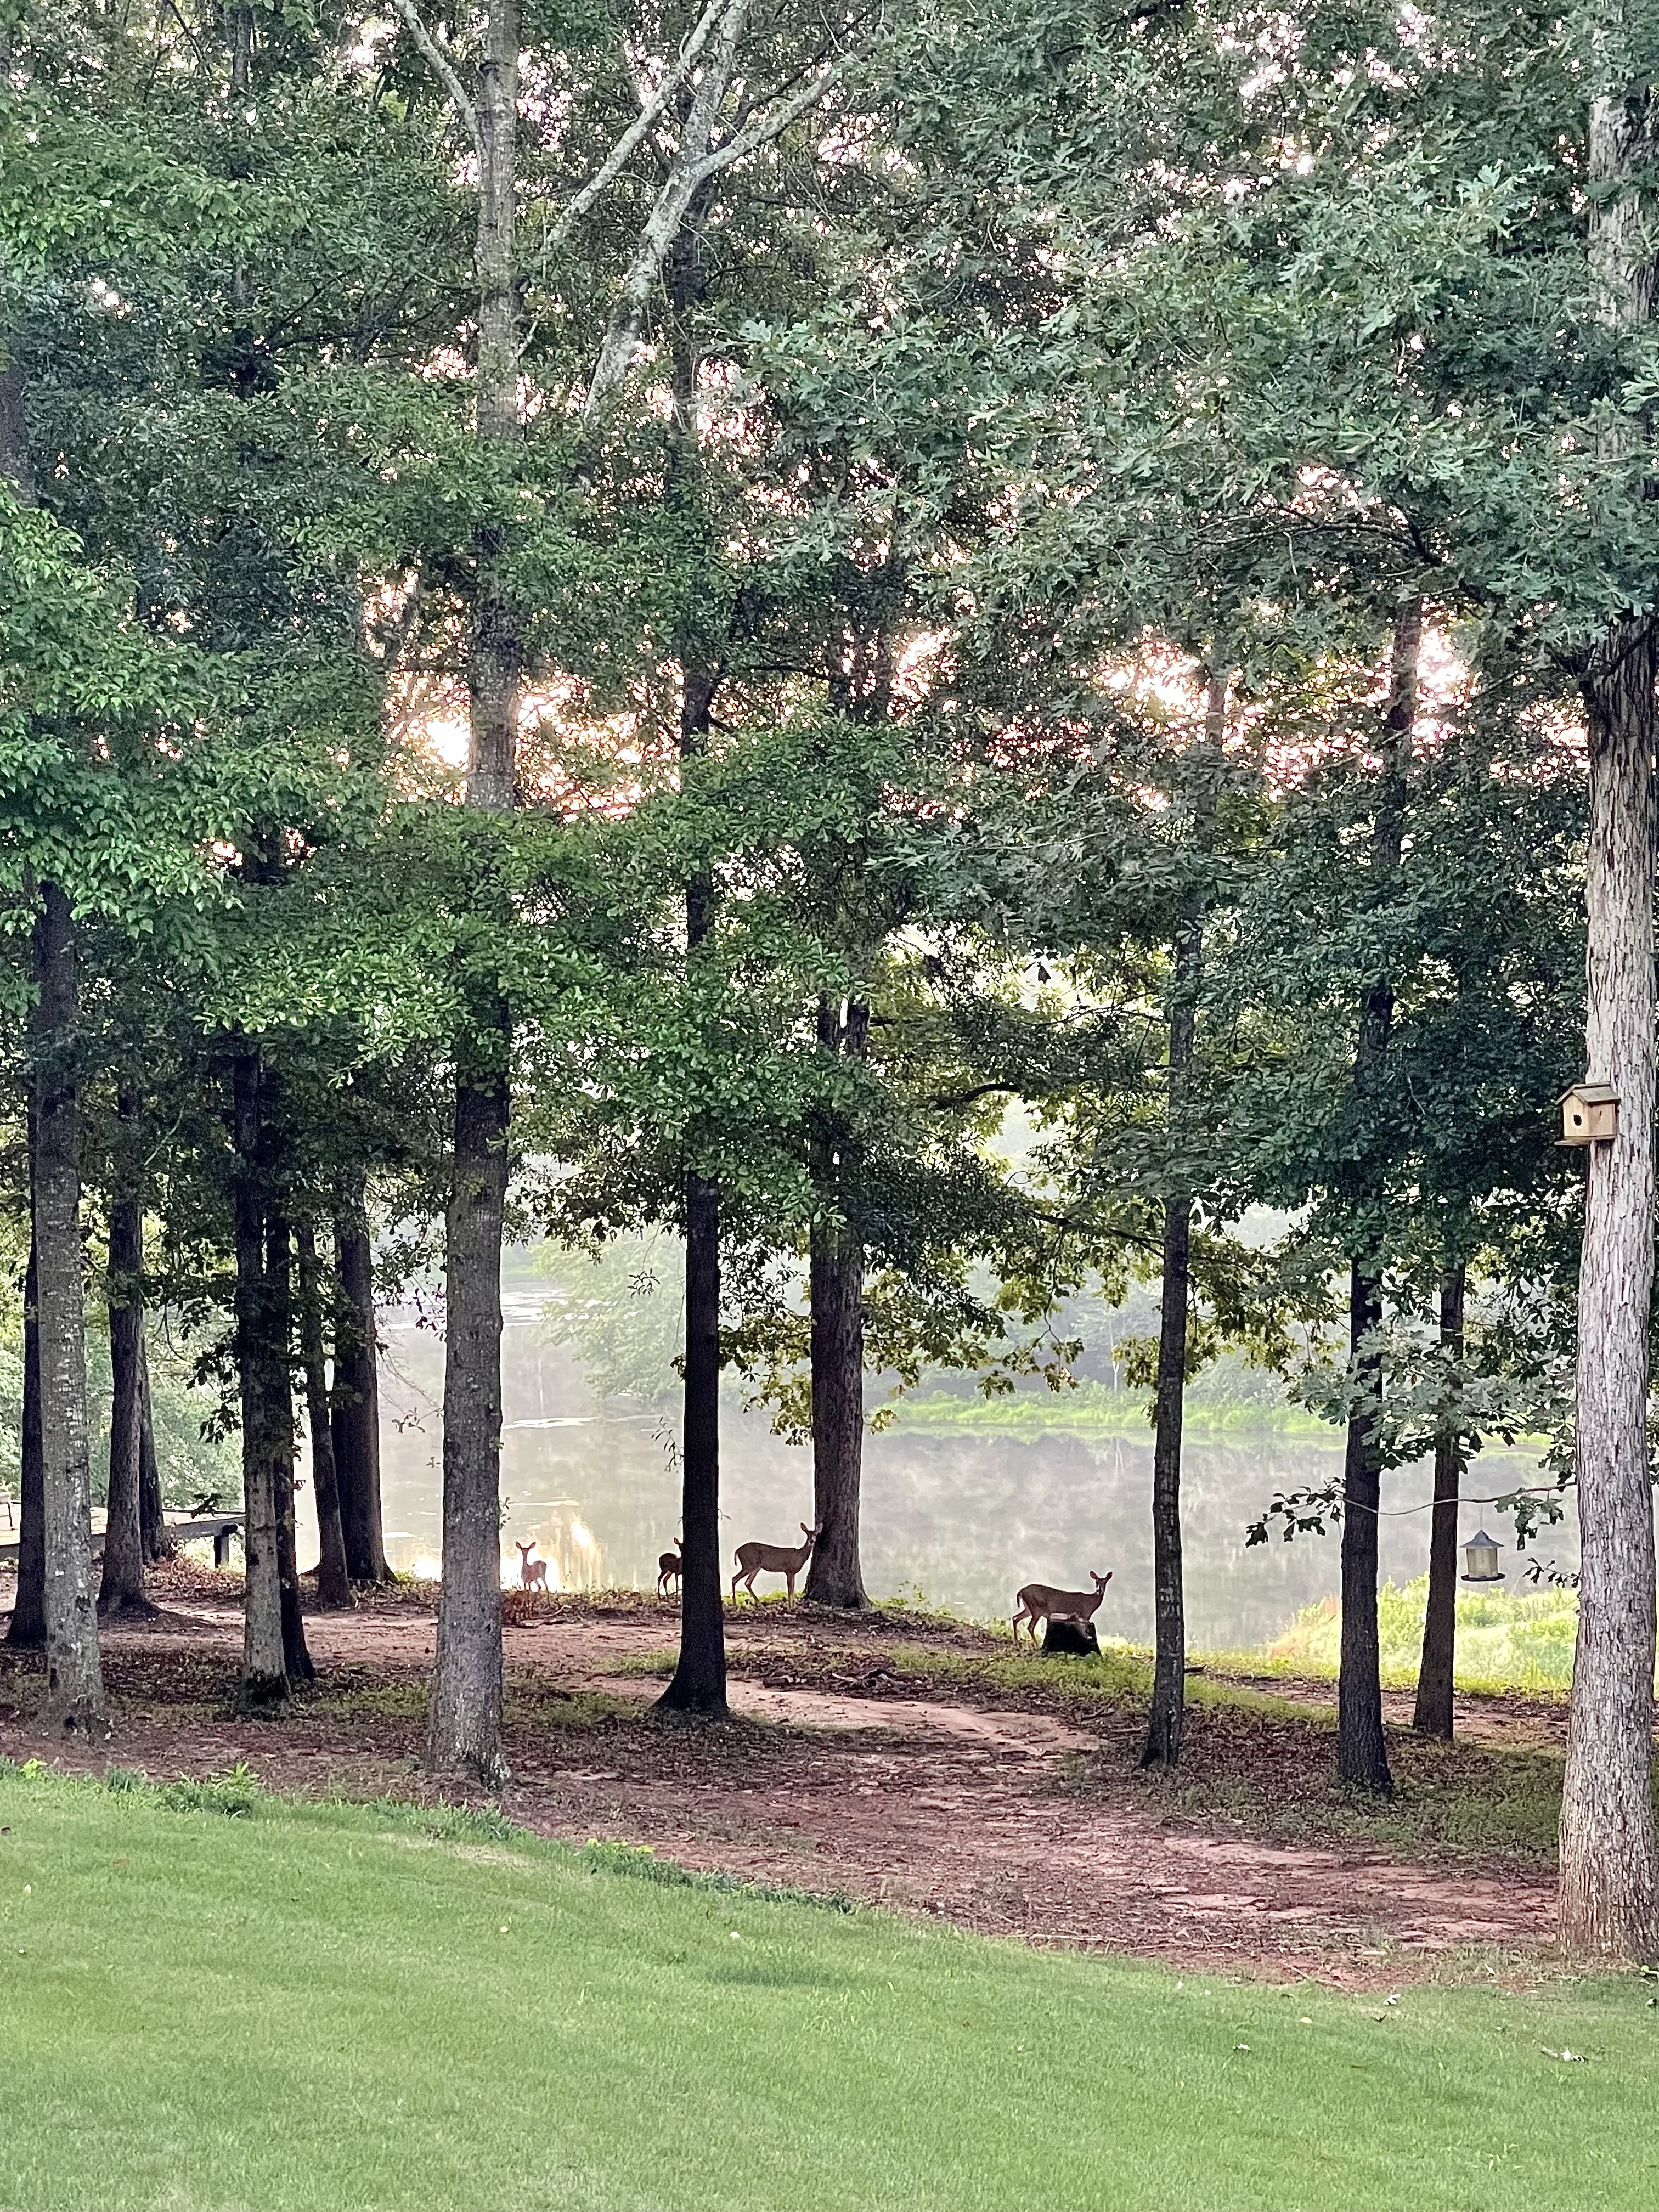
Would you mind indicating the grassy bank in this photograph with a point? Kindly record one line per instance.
(315, 2006)
(1507, 1640)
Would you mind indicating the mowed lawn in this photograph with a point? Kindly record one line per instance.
(213, 1999)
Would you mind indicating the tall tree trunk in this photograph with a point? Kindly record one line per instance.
(1609, 1892)
(355, 1418)
(75, 1686)
(1167, 1719)
(835, 1574)
(264, 1664)
(1361, 1749)
(152, 1509)
(279, 1386)
(333, 1579)
(1165, 1723)
(27, 1629)
(464, 1732)
(1433, 1714)
(698, 1684)
(699, 1680)
(122, 1588)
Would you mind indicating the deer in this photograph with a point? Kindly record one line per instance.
(1042, 1601)
(784, 1559)
(532, 1573)
(669, 1569)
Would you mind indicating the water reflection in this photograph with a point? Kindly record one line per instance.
(961, 1519)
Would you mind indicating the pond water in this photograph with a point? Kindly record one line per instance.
(960, 1518)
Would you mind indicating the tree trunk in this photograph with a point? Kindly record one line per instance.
(279, 1387)
(835, 1574)
(1164, 1729)
(699, 1680)
(152, 1509)
(74, 1687)
(355, 1418)
(464, 1734)
(28, 1630)
(1362, 1751)
(1167, 1719)
(1433, 1714)
(1609, 1894)
(122, 1588)
(264, 1667)
(333, 1579)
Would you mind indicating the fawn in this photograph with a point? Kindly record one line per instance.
(532, 1573)
(1042, 1601)
(670, 1568)
(784, 1559)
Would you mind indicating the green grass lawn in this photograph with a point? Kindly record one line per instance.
(332, 2006)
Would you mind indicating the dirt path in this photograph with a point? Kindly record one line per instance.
(978, 1812)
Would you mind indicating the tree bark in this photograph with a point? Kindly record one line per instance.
(279, 1385)
(464, 1732)
(1609, 1889)
(27, 1629)
(1362, 1750)
(1167, 1718)
(334, 1578)
(152, 1509)
(264, 1664)
(121, 1590)
(698, 1685)
(1609, 1893)
(75, 1688)
(355, 1417)
(699, 1682)
(835, 1574)
(1166, 1721)
(1433, 1713)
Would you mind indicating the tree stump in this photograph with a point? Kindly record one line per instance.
(1069, 1639)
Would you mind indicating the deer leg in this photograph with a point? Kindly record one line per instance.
(790, 1578)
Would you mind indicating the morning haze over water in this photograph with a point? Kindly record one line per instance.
(961, 1517)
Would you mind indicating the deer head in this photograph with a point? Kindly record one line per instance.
(1098, 1580)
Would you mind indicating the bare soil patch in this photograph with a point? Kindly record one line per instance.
(1014, 1809)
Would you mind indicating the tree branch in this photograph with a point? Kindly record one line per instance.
(650, 108)
(442, 68)
(668, 212)
(771, 126)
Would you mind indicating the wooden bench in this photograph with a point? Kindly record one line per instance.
(221, 1526)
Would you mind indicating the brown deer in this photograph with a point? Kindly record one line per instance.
(784, 1559)
(532, 1573)
(1042, 1601)
(669, 1569)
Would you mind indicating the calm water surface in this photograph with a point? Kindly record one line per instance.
(961, 1519)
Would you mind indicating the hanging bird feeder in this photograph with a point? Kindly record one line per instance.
(1481, 1556)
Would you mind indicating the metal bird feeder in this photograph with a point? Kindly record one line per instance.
(1480, 1558)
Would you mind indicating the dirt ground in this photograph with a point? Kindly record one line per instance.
(1014, 1812)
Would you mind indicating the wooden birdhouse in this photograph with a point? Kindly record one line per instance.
(1589, 1113)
